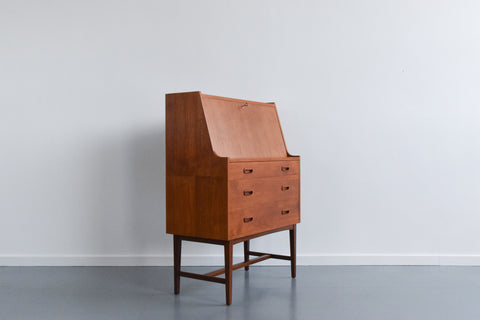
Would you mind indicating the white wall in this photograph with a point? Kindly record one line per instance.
(380, 98)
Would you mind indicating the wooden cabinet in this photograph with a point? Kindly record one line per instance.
(229, 176)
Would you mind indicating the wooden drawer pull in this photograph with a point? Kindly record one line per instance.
(247, 170)
(285, 188)
(285, 169)
(285, 212)
(245, 220)
(247, 192)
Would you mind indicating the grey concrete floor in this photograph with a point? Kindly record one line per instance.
(327, 292)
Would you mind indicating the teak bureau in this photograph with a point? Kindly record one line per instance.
(229, 179)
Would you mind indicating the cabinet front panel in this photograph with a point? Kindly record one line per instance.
(263, 169)
(254, 192)
(243, 129)
(250, 220)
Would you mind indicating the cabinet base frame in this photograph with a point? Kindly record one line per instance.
(229, 266)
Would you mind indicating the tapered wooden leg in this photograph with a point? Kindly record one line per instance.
(293, 250)
(246, 256)
(177, 258)
(228, 272)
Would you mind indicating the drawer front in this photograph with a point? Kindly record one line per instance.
(253, 192)
(250, 220)
(263, 169)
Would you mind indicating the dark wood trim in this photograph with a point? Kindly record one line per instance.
(216, 272)
(201, 277)
(293, 250)
(246, 256)
(177, 254)
(233, 241)
(273, 256)
(203, 240)
(239, 265)
(249, 262)
(228, 272)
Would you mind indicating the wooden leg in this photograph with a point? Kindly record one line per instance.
(177, 258)
(293, 250)
(246, 256)
(228, 271)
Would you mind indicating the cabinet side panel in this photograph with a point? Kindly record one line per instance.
(180, 134)
(211, 203)
(180, 195)
(196, 192)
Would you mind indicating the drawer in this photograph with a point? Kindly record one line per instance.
(263, 169)
(252, 192)
(250, 220)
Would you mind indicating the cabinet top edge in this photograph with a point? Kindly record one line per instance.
(293, 158)
(210, 96)
(184, 92)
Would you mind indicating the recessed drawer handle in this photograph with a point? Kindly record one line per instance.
(285, 169)
(247, 170)
(285, 212)
(247, 192)
(285, 188)
(245, 220)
